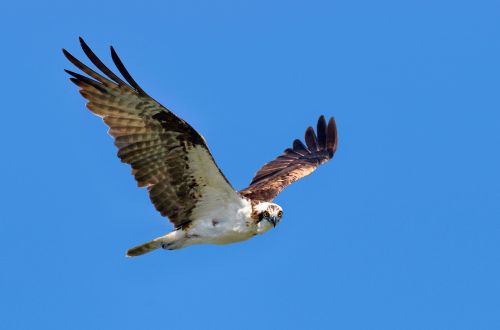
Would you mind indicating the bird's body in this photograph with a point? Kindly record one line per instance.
(234, 223)
(231, 224)
(173, 161)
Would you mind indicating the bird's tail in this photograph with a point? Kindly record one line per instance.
(171, 241)
(144, 248)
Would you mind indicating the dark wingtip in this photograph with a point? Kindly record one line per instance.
(331, 137)
(75, 81)
(86, 49)
(67, 54)
(84, 45)
(73, 59)
(78, 79)
(121, 67)
(311, 139)
(99, 64)
(321, 130)
(299, 147)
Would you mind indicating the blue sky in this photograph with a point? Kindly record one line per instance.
(400, 231)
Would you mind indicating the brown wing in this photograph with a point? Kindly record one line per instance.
(166, 154)
(295, 162)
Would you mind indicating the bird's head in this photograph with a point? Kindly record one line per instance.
(268, 214)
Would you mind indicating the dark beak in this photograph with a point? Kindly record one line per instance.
(274, 221)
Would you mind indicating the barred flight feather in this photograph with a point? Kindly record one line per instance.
(159, 146)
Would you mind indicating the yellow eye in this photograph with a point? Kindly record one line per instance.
(280, 214)
(266, 214)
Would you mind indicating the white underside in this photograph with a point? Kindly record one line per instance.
(229, 225)
(221, 215)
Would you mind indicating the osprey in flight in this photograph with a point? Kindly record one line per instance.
(172, 160)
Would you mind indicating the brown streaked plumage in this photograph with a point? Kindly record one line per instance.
(173, 161)
(149, 137)
(295, 162)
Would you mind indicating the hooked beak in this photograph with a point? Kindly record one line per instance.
(274, 221)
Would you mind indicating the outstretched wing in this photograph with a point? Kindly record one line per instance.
(295, 162)
(166, 154)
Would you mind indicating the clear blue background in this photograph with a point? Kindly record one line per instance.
(400, 231)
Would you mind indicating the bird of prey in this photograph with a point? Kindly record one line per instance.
(172, 160)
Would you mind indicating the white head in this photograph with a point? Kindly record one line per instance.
(269, 215)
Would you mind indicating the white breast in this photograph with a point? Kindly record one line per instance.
(222, 225)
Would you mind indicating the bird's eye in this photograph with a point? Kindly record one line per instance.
(266, 214)
(280, 214)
